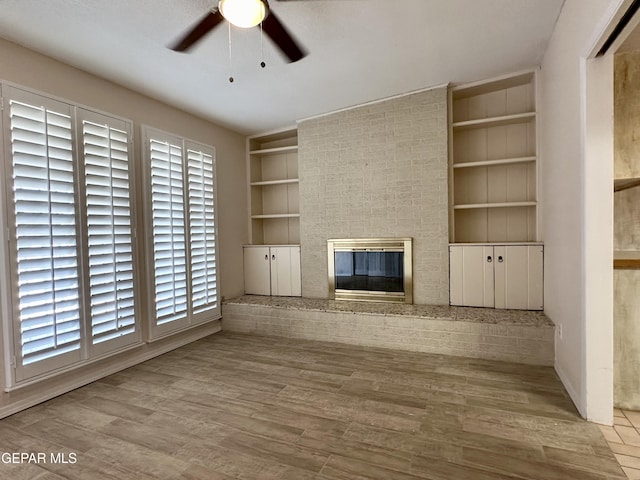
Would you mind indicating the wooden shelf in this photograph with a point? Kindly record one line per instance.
(275, 182)
(273, 188)
(275, 150)
(626, 263)
(495, 121)
(620, 184)
(495, 205)
(490, 163)
(626, 259)
(276, 215)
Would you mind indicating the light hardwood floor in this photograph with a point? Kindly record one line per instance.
(265, 408)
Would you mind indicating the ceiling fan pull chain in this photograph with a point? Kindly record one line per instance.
(262, 64)
(230, 56)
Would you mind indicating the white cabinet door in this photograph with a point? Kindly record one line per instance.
(471, 276)
(285, 271)
(518, 276)
(272, 270)
(257, 277)
(500, 276)
(296, 274)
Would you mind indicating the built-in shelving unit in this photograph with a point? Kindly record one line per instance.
(493, 161)
(272, 261)
(273, 188)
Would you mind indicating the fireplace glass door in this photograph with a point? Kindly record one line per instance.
(370, 271)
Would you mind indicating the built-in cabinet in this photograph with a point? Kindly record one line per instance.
(496, 276)
(494, 258)
(493, 168)
(272, 270)
(272, 261)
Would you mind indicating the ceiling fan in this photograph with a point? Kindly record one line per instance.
(244, 14)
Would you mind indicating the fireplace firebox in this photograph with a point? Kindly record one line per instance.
(370, 269)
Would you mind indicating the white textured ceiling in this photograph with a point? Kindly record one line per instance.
(360, 50)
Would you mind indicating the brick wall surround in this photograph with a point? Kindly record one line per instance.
(458, 331)
(377, 170)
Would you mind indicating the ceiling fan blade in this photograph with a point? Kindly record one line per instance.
(199, 30)
(282, 38)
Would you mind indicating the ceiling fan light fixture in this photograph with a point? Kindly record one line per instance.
(243, 13)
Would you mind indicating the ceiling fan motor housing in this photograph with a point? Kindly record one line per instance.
(244, 13)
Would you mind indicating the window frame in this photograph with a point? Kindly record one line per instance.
(191, 318)
(21, 371)
(16, 373)
(105, 348)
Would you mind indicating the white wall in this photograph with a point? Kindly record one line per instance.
(576, 188)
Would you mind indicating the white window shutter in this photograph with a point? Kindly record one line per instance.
(202, 230)
(169, 231)
(46, 252)
(109, 232)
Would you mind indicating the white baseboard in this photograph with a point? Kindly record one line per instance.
(576, 398)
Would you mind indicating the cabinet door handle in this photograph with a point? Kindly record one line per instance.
(273, 257)
(266, 257)
(500, 259)
(489, 259)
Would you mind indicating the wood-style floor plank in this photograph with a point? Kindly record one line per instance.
(244, 407)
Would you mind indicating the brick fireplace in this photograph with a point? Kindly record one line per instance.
(381, 171)
(377, 170)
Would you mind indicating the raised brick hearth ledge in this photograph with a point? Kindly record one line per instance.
(509, 335)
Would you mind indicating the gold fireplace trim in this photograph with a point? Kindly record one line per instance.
(371, 244)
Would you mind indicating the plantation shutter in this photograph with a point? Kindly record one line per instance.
(45, 235)
(202, 230)
(70, 227)
(109, 230)
(169, 231)
(182, 221)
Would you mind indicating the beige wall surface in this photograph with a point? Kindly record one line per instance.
(626, 334)
(627, 115)
(377, 170)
